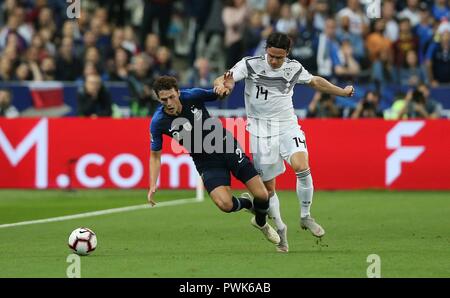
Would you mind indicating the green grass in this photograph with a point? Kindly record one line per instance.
(408, 230)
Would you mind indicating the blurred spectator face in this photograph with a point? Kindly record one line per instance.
(83, 19)
(413, 4)
(10, 5)
(95, 26)
(45, 16)
(256, 19)
(345, 23)
(48, 66)
(66, 47)
(152, 43)
(353, 4)
(441, 2)
(92, 55)
(20, 14)
(405, 26)
(121, 58)
(321, 6)
(380, 25)
(163, 55)
(129, 34)
(89, 39)
(388, 10)
(23, 72)
(10, 52)
(68, 29)
(141, 64)
(32, 54)
(118, 38)
(46, 35)
(37, 42)
(5, 67)
(330, 28)
(372, 98)
(411, 59)
(285, 12)
(272, 7)
(424, 90)
(202, 65)
(5, 98)
(102, 15)
(41, 3)
(89, 69)
(238, 3)
(13, 22)
(93, 84)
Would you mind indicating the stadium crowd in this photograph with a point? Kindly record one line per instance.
(135, 41)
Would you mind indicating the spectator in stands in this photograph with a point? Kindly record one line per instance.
(234, 17)
(143, 101)
(328, 48)
(68, 67)
(23, 72)
(368, 107)
(346, 67)
(424, 31)
(391, 25)
(6, 108)
(305, 44)
(201, 75)
(411, 12)
(356, 40)
(121, 67)
(324, 106)
(412, 74)
(163, 63)
(6, 69)
(11, 29)
(359, 23)
(438, 60)
(94, 100)
(419, 105)
(286, 23)
(254, 35)
(406, 42)
(440, 10)
(152, 44)
(157, 10)
(320, 11)
(48, 69)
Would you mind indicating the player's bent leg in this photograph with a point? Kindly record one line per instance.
(305, 191)
(222, 197)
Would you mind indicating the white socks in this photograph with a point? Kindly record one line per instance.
(305, 190)
(274, 211)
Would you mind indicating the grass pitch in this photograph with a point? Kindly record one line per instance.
(410, 231)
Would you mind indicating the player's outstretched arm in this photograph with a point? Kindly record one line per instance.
(155, 166)
(322, 85)
(224, 84)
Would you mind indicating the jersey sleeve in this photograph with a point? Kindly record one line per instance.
(198, 94)
(240, 70)
(156, 139)
(305, 77)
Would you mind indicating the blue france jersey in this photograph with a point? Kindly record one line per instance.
(182, 127)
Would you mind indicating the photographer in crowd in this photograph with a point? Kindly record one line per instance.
(368, 107)
(418, 104)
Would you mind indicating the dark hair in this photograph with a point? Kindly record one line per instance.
(279, 40)
(165, 83)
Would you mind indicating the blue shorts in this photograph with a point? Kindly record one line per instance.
(219, 175)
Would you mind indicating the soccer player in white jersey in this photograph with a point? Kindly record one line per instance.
(273, 126)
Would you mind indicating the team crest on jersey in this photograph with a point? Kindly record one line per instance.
(197, 113)
(287, 72)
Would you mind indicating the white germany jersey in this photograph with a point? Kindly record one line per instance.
(268, 93)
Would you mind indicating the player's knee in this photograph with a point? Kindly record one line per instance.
(300, 168)
(261, 194)
(224, 205)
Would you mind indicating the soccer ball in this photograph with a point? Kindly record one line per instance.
(82, 241)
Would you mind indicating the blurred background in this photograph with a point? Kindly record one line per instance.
(104, 62)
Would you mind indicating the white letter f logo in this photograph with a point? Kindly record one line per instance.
(401, 154)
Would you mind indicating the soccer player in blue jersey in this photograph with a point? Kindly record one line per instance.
(215, 152)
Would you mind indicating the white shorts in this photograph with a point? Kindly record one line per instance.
(269, 153)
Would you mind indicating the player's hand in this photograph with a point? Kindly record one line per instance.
(221, 91)
(150, 196)
(228, 81)
(349, 91)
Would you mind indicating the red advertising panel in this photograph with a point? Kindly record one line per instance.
(110, 153)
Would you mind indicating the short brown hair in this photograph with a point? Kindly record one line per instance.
(165, 83)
